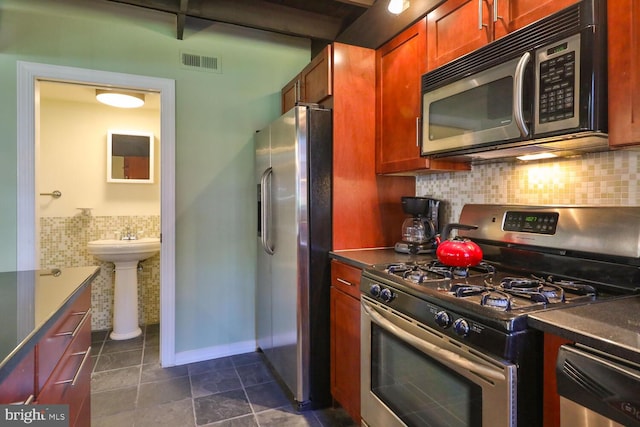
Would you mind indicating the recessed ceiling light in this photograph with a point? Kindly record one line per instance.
(398, 6)
(120, 99)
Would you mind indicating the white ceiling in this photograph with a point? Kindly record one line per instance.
(86, 94)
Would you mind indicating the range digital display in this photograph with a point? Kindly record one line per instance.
(539, 223)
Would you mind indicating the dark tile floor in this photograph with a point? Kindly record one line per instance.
(129, 388)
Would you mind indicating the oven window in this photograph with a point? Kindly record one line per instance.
(484, 107)
(418, 389)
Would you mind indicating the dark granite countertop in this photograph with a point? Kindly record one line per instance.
(362, 258)
(30, 302)
(611, 326)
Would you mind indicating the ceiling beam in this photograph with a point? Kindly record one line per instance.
(272, 17)
(182, 17)
(259, 14)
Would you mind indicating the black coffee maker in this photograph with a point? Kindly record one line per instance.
(419, 232)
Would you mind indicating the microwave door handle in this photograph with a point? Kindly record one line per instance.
(432, 350)
(265, 202)
(518, 94)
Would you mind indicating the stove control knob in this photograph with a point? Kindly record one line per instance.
(375, 290)
(443, 319)
(461, 327)
(386, 295)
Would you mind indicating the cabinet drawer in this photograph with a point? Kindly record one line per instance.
(58, 338)
(19, 386)
(69, 382)
(346, 278)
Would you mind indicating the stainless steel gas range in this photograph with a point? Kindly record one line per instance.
(445, 346)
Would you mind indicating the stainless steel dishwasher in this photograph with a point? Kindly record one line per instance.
(597, 389)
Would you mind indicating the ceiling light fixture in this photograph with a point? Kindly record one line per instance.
(120, 99)
(398, 6)
(538, 156)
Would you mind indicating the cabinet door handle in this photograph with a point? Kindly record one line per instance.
(26, 402)
(495, 11)
(344, 282)
(73, 333)
(77, 374)
(480, 17)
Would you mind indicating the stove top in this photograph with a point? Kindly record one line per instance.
(483, 305)
(483, 285)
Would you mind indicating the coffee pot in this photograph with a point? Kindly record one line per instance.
(420, 230)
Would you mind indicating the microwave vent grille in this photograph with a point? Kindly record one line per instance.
(557, 26)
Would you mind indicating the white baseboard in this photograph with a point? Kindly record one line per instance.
(208, 353)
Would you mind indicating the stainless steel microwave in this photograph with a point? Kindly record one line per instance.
(540, 89)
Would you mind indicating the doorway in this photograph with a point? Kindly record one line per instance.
(29, 77)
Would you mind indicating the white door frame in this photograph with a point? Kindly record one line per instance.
(28, 73)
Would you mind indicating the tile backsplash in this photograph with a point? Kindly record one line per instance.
(608, 178)
(63, 243)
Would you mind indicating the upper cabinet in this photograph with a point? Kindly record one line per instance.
(515, 14)
(400, 64)
(459, 26)
(312, 85)
(624, 72)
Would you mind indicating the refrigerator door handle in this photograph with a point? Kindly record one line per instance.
(265, 213)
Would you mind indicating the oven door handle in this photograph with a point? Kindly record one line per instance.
(430, 349)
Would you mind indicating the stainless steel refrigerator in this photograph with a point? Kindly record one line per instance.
(293, 177)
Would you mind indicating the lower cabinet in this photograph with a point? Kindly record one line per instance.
(551, 399)
(58, 369)
(66, 378)
(345, 337)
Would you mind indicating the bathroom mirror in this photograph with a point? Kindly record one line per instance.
(130, 157)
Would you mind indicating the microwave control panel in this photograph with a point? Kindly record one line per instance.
(557, 87)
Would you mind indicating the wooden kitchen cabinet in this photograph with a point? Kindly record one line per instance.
(515, 14)
(452, 30)
(345, 337)
(312, 85)
(624, 72)
(367, 212)
(458, 27)
(51, 362)
(63, 361)
(290, 94)
(400, 64)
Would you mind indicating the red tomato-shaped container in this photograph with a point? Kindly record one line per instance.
(458, 252)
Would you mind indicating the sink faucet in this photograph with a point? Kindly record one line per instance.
(129, 235)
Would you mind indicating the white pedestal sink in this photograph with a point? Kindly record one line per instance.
(125, 254)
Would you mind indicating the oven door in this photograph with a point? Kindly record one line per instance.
(487, 108)
(414, 376)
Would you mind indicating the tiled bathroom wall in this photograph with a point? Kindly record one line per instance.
(609, 178)
(63, 243)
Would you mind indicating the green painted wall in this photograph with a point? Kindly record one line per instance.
(216, 117)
